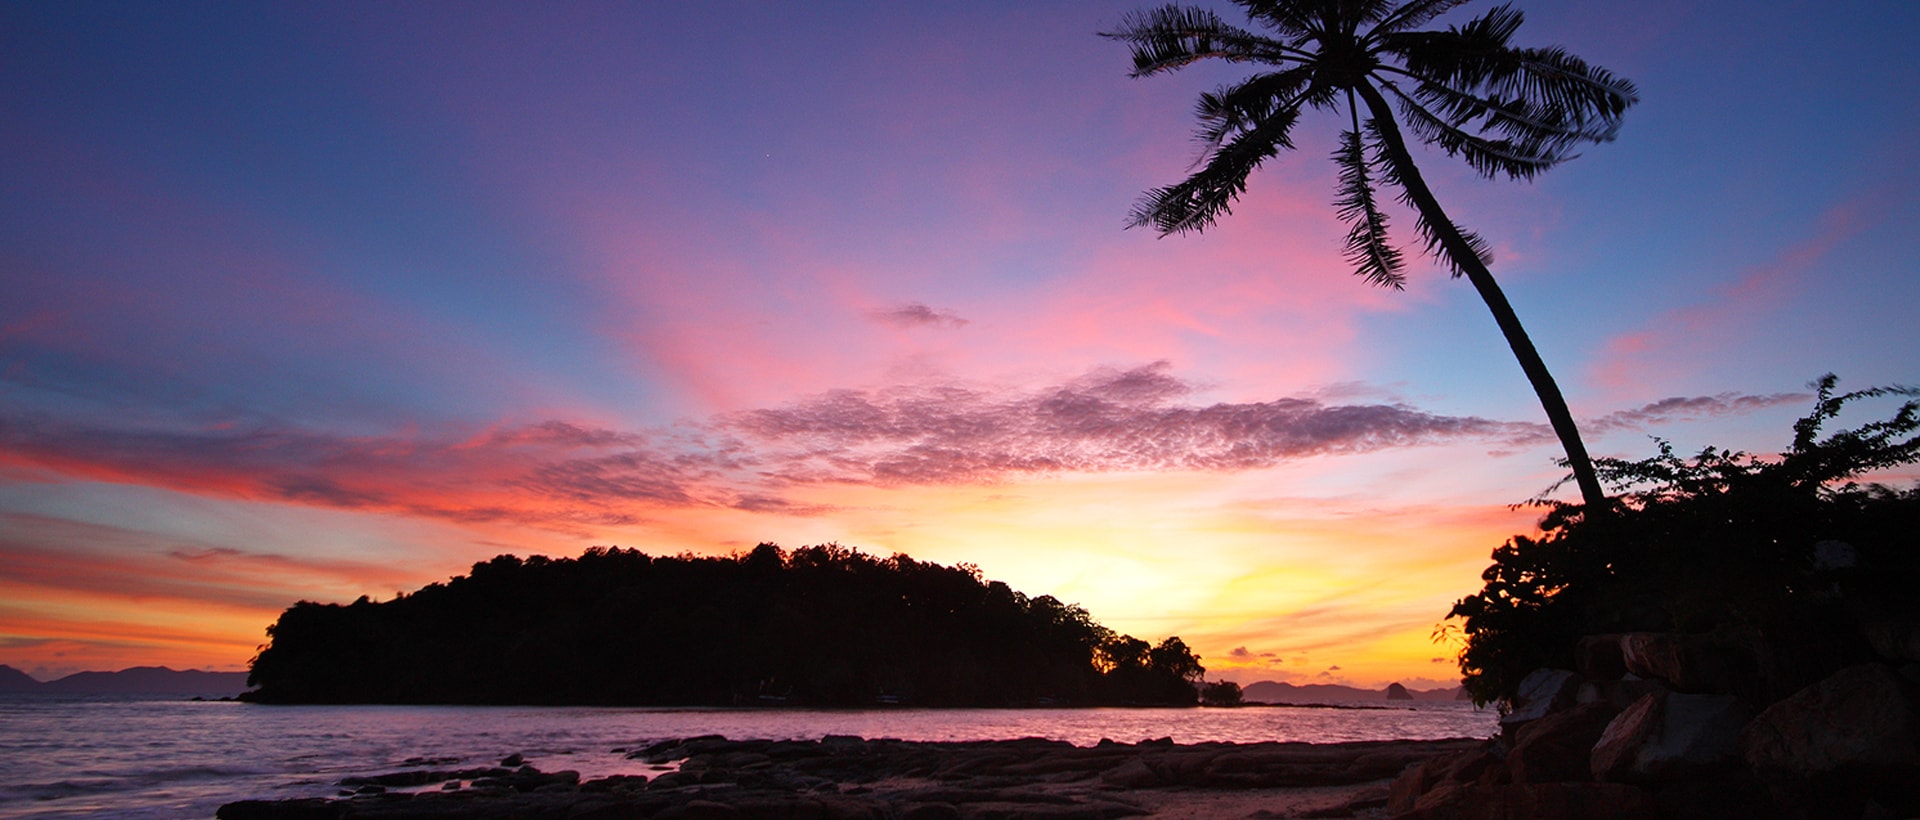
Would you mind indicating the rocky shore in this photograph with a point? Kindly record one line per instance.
(848, 777)
(1654, 725)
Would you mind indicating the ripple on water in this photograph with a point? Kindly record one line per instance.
(94, 757)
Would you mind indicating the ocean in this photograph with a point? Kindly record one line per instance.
(131, 757)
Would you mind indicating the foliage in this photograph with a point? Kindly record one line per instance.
(1792, 548)
(822, 625)
(1467, 90)
(1221, 693)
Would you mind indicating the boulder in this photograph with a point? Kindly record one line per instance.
(1599, 658)
(1540, 692)
(1689, 663)
(1458, 768)
(1855, 734)
(1666, 737)
(1893, 637)
(1734, 793)
(1558, 747)
(1410, 785)
(1621, 693)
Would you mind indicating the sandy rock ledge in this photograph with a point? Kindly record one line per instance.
(848, 777)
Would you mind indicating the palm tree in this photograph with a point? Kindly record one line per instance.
(1502, 109)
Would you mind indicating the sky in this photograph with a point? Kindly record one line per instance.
(314, 301)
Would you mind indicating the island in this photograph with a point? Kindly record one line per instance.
(820, 626)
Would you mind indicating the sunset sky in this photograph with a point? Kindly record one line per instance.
(311, 301)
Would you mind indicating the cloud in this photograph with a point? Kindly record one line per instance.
(1691, 408)
(50, 553)
(1240, 652)
(1107, 421)
(916, 314)
(554, 474)
(569, 477)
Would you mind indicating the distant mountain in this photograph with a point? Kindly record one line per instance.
(1267, 691)
(13, 680)
(139, 680)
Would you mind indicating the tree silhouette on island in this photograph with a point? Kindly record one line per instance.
(821, 625)
(1502, 109)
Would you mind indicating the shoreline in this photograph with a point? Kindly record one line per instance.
(844, 776)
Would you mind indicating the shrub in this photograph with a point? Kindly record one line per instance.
(1788, 548)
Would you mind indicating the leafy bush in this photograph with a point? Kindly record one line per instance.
(1792, 549)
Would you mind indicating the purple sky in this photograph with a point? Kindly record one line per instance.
(321, 300)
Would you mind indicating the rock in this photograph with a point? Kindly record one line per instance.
(1735, 793)
(1834, 555)
(1599, 658)
(1665, 737)
(313, 808)
(1855, 734)
(1861, 716)
(1894, 638)
(1133, 774)
(930, 811)
(1535, 801)
(849, 778)
(1397, 692)
(702, 810)
(1689, 663)
(1418, 778)
(1636, 726)
(1563, 801)
(1407, 788)
(513, 760)
(1621, 693)
(1558, 747)
(1540, 692)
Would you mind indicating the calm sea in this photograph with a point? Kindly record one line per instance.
(78, 757)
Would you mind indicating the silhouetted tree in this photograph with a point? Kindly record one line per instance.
(823, 624)
(1720, 542)
(1502, 109)
(1221, 693)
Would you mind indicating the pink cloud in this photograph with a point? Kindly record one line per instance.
(1104, 422)
(79, 558)
(916, 314)
(571, 477)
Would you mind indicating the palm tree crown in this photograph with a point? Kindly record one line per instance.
(1502, 109)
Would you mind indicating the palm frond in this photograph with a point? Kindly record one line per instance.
(1292, 18)
(1236, 108)
(1172, 36)
(1373, 259)
(1476, 62)
(1518, 118)
(1521, 159)
(1197, 202)
(1431, 238)
(1415, 13)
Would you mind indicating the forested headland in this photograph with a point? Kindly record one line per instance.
(820, 625)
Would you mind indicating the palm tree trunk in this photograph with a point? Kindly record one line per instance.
(1465, 259)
